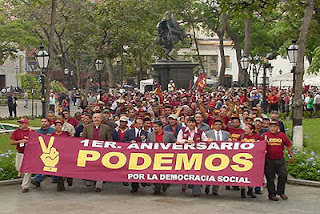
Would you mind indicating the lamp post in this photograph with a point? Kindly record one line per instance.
(245, 62)
(292, 51)
(280, 72)
(66, 72)
(125, 49)
(99, 67)
(17, 72)
(42, 58)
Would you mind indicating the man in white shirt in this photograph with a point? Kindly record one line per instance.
(217, 134)
(316, 101)
(192, 134)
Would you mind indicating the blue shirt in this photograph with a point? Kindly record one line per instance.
(49, 130)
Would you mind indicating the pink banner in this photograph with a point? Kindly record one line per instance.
(211, 163)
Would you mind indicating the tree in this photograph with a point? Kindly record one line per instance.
(299, 72)
(15, 34)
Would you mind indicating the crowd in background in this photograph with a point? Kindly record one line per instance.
(177, 116)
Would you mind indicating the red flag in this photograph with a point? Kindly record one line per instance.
(190, 87)
(159, 92)
(201, 81)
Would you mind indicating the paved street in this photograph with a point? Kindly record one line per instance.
(116, 198)
(21, 111)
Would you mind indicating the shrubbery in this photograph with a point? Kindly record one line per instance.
(7, 166)
(306, 165)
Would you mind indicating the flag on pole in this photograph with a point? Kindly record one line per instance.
(201, 81)
(190, 87)
(158, 92)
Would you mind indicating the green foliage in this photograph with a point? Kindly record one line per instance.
(29, 81)
(7, 166)
(315, 65)
(306, 165)
(15, 33)
(57, 87)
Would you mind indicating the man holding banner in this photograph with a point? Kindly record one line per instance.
(192, 134)
(20, 138)
(275, 163)
(98, 131)
(160, 136)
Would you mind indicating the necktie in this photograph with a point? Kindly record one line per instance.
(218, 136)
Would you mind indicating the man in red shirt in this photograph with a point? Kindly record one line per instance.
(160, 136)
(235, 135)
(20, 138)
(235, 130)
(69, 119)
(275, 163)
(273, 100)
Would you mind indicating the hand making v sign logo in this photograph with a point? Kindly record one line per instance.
(50, 156)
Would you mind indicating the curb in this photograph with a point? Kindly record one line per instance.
(294, 181)
(11, 182)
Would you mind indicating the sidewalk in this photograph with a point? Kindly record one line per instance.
(115, 198)
(21, 111)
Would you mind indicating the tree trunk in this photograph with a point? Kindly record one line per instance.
(299, 71)
(78, 64)
(247, 36)
(50, 52)
(110, 72)
(223, 60)
(247, 46)
(197, 48)
(221, 50)
(236, 44)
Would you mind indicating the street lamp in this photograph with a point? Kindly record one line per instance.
(42, 58)
(245, 62)
(293, 52)
(99, 67)
(297, 131)
(17, 71)
(124, 52)
(270, 71)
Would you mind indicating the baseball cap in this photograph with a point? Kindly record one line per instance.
(58, 121)
(258, 119)
(173, 116)
(23, 120)
(124, 119)
(274, 123)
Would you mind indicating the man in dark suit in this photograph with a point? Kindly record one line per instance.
(217, 134)
(97, 130)
(134, 135)
(12, 104)
(160, 136)
(119, 132)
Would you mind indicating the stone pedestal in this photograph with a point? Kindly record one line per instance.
(181, 72)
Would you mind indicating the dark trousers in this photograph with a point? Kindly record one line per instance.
(157, 187)
(135, 186)
(273, 107)
(273, 167)
(13, 110)
(317, 106)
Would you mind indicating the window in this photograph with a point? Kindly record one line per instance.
(228, 63)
